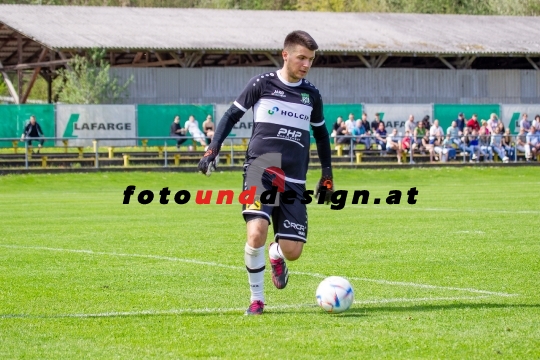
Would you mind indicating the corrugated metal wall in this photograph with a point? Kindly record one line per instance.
(414, 86)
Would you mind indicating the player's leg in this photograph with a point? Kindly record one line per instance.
(254, 257)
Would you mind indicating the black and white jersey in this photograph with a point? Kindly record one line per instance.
(282, 115)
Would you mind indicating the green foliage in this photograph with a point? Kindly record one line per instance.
(3, 87)
(87, 80)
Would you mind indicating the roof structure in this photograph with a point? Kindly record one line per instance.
(44, 37)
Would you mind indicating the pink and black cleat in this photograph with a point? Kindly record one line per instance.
(256, 308)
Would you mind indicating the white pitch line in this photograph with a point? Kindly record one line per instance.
(237, 309)
(208, 263)
(414, 208)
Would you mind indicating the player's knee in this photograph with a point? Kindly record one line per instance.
(291, 253)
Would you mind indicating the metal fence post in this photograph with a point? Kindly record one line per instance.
(165, 154)
(96, 150)
(26, 154)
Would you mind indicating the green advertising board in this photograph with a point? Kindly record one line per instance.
(156, 120)
(332, 111)
(13, 119)
(446, 113)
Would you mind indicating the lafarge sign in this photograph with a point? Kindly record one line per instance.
(96, 122)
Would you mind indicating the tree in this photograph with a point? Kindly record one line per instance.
(87, 80)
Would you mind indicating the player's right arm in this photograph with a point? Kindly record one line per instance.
(251, 94)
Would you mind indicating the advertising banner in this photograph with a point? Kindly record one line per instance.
(512, 114)
(96, 121)
(13, 119)
(446, 113)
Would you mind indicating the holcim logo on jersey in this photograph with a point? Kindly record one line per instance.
(274, 110)
(289, 134)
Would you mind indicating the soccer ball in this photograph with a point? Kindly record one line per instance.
(335, 294)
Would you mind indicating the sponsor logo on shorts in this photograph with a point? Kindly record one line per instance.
(300, 229)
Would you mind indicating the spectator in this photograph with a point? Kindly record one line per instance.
(485, 146)
(469, 144)
(521, 143)
(485, 127)
(350, 123)
(493, 123)
(426, 122)
(410, 125)
(192, 126)
(360, 135)
(461, 122)
(454, 133)
(421, 137)
(533, 143)
(536, 123)
(393, 143)
(524, 123)
(365, 124)
(406, 142)
(507, 144)
(335, 128)
(342, 137)
(434, 130)
(32, 130)
(473, 123)
(208, 128)
(380, 136)
(497, 145)
(435, 141)
(178, 131)
(375, 123)
(448, 146)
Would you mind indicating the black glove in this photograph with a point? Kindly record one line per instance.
(325, 185)
(208, 162)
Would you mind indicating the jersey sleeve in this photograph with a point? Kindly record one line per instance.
(251, 93)
(317, 117)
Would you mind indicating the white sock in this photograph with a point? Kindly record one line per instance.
(255, 262)
(274, 251)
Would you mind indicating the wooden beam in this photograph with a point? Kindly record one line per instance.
(34, 77)
(195, 59)
(19, 61)
(64, 57)
(445, 62)
(35, 65)
(150, 64)
(9, 84)
(532, 63)
(177, 58)
(137, 58)
(160, 59)
(380, 61)
(229, 59)
(272, 59)
(364, 60)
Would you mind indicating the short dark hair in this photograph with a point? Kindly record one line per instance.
(299, 37)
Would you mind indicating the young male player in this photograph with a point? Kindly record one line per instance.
(284, 107)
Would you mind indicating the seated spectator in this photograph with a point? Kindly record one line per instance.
(533, 143)
(342, 135)
(508, 145)
(406, 146)
(473, 123)
(497, 146)
(493, 123)
(426, 122)
(375, 123)
(521, 142)
(450, 151)
(350, 123)
(380, 137)
(524, 123)
(178, 131)
(192, 126)
(461, 122)
(365, 124)
(421, 137)
(208, 128)
(454, 133)
(435, 142)
(393, 143)
(469, 144)
(485, 145)
(410, 125)
(536, 123)
(360, 136)
(335, 128)
(435, 129)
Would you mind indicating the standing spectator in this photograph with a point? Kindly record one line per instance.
(365, 124)
(360, 135)
(410, 125)
(485, 146)
(521, 143)
(536, 123)
(533, 143)
(507, 144)
(406, 142)
(393, 143)
(375, 123)
(493, 123)
(426, 122)
(461, 122)
(208, 128)
(178, 131)
(421, 137)
(192, 126)
(380, 136)
(497, 145)
(454, 133)
(473, 123)
(32, 130)
(524, 123)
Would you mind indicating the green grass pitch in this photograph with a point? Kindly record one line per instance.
(455, 276)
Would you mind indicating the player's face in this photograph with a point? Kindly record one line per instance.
(298, 61)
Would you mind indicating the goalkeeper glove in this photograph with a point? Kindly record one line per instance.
(325, 186)
(207, 165)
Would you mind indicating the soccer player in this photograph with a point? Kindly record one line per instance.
(284, 106)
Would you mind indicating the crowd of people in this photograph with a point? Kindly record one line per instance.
(191, 127)
(477, 139)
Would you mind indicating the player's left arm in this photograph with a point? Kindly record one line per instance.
(322, 140)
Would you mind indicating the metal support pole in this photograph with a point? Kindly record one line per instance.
(96, 149)
(351, 149)
(165, 154)
(232, 152)
(26, 154)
